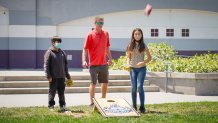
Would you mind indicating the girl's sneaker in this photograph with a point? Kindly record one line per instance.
(135, 107)
(142, 110)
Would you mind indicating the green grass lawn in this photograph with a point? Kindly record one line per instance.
(195, 112)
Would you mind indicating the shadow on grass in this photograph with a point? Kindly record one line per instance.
(77, 111)
(155, 112)
(72, 111)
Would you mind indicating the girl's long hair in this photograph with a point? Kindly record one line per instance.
(132, 43)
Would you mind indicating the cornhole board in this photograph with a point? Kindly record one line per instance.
(115, 107)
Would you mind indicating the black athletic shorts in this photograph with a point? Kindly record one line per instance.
(100, 73)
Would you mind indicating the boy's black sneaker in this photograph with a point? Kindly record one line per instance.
(63, 109)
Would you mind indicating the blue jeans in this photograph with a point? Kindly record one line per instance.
(137, 76)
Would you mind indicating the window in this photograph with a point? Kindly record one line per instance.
(169, 32)
(185, 32)
(154, 32)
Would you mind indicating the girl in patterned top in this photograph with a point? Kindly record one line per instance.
(136, 59)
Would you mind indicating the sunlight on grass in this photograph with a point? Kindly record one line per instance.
(158, 113)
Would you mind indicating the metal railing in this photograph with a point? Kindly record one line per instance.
(166, 70)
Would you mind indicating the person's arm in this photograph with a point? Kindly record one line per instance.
(108, 52)
(87, 45)
(66, 66)
(128, 55)
(147, 59)
(148, 56)
(47, 66)
(84, 54)
(109, 56)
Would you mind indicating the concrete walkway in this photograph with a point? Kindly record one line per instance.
(26, 100)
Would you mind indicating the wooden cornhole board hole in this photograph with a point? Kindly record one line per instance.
(115, 108)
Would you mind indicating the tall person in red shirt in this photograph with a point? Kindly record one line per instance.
(97, 45)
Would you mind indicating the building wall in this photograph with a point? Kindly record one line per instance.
(28, 25)
(4, 40)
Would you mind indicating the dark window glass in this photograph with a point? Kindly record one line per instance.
(169, 32)
(154, 33)
(185, 32)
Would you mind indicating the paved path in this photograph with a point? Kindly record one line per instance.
(26, 100)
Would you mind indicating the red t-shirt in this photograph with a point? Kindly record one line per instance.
(97, 44)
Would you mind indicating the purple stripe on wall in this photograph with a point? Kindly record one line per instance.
(40, 58)
(117, 54)
(22, 59)
(76, 61)
(4, 59)
(35, 59)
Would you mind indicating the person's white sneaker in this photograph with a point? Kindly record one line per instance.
(51, 108)
(93, 107)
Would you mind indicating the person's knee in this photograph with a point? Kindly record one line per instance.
(104, 84)
(92, 85)
(134, 89)
(52, 92)
(140, 88)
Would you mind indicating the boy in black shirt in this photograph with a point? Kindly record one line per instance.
(55, 66)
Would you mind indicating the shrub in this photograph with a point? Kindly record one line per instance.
(203, 63)
(119, 63)
(162, 51)
(198, 64)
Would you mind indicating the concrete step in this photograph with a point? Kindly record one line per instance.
(44, 90)
(77, 83)
(83, 76)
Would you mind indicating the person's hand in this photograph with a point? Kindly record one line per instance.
(109, 62)
(85, 65)
(50, 79)
(127, 67)
(69, 83)
(140, 64)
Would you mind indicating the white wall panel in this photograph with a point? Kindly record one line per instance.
(73, 31)
(25, 31)
(46, 31)
(202, 24)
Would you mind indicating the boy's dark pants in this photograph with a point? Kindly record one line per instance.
(57, 84)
